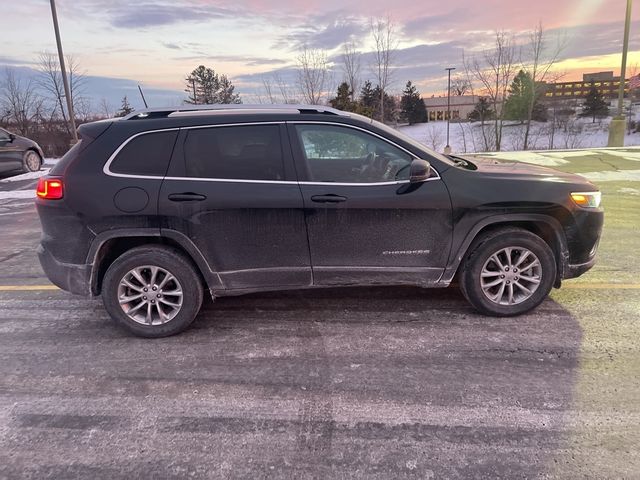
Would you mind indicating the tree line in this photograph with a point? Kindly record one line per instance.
(509, 79)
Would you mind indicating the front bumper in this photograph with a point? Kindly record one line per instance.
(573, 271)
(71, 277)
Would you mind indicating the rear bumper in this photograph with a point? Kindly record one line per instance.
(71, 277)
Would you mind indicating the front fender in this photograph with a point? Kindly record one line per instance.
(560, 247)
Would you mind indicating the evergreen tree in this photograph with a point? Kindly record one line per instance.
(482, 111)
(516, 107)
(389, 106)
(125, 109)
(205, 86)
(411, 105)
(342, 100)
(368, 101)
(594, 105)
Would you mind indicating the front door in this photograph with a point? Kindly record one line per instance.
(366, 223)
(232, 190)
(10, 154)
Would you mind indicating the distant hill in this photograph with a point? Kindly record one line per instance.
(113, 89)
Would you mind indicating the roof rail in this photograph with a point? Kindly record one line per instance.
(187, 110)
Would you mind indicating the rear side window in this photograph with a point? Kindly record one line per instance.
(243, 152)
(147, 155)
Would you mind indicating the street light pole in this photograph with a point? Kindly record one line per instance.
(447, 148)
(617, 125)
(63, 71)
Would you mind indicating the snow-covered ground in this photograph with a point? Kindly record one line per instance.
(29, 192)
(467, 137)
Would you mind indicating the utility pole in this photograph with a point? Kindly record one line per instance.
(63, 71)
(447, 148)
(617, 125)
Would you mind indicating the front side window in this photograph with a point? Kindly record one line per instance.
(243, 152)
(347, 155)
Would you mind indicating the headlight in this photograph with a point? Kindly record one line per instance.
(587, 199)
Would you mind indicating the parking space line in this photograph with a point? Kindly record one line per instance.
(24, 288)
(602, 286)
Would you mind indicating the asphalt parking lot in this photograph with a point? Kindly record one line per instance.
(372, 383)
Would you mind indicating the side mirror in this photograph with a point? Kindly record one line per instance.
(419, 170)
(12, 137)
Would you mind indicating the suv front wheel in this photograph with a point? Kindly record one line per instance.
(509, 272)
(152, 291)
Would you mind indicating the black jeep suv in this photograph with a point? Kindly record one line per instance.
(151, 209)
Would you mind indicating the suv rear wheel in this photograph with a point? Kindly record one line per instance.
(152, 291)
(509, 272)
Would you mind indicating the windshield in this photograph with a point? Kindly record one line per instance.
(403, 136)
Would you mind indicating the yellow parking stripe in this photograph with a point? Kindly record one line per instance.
(602, 286)
(583, 286)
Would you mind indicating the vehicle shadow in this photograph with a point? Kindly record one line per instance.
(375, 383)
(405, 382)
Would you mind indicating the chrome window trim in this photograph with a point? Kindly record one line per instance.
(107, 170)
(231, 180)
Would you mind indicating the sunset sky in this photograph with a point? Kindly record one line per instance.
(156, 42)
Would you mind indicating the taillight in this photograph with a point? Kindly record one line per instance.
(50, 188)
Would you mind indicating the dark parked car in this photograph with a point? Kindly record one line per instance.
(19, 153)
(150, 210)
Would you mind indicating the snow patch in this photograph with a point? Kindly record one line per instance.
(17, 194)
(26, 176)
(622, 175)
(630, 154)
(629, 191)
(536, 158)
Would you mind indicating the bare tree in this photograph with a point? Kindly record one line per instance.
(268, 90)
(313, 74)
(539, 62)
(351, 61)
(494, 69)
(105, 108)
(385, 45)
(433, 137)
(460, 85)
(20, 102)
(277, 90)
(50, 81)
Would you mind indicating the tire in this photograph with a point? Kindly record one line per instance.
(525, 283)
(164, 312)
(31, 161)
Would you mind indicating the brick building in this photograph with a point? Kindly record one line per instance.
(605, 82)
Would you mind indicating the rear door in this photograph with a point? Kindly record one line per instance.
(366, 223)
(232, 190)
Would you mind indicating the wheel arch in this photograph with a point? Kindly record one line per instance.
(546, 227)
(108, 246)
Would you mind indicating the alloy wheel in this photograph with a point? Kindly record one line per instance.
(150, 295)
(511, 275)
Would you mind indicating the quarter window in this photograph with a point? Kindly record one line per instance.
(346, 155)
(244, 152)
(146, 155)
